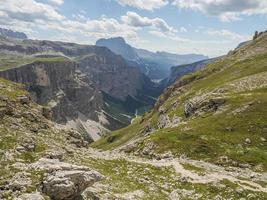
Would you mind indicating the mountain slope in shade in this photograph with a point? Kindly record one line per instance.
(216, 114)
(155, 65)
(119, 46)
(12, 34)
(181, 70)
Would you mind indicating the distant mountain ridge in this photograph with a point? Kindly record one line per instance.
(12, 34)
(181, 70)
(154, 64)
(119, 46)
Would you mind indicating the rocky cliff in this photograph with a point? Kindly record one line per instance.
(112, 74)
(69, 94)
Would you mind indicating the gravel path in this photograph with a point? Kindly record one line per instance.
(245, 178)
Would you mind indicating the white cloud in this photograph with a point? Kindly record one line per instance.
(229, 35)
(183, 29)
(169, 36)
(135, 20)
(29, 10)
(226, 10)
(57, 2)
(34, 18)
(144, 4)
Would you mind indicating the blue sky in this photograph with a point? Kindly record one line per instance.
(210, 27)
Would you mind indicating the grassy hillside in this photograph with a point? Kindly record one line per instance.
(8, 61)
(217, 114)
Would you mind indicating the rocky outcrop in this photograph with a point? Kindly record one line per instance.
(63, 180)
(199, 106)
(163, 121)
(31, 196)
(62, 185)
(57, 85)
(112, 75)
(67, 93)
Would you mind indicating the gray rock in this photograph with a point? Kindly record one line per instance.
(64, 180)
(239, 190)
(164, 121)
(189, 108)
(55, 155)
(68, 184)
(20, 181)
(181, 194)
(129, 148)
(248, 141)
(251, 196)
(27, 145)
(148, 129)
(148, 149)
(47, 112)
(32, 196)
(24, 99)
(202, 104)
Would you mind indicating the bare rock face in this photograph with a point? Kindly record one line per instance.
(200, 105)
(112, 74)
(65, 93)
(163, 121)
(58, 86)
(68, 184)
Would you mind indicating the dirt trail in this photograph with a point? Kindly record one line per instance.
(211, 173)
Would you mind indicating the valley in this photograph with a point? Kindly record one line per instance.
(88, 122)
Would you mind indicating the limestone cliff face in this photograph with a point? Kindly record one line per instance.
(60, 86)
(112, 74)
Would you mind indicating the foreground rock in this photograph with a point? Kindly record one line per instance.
(68, 184)
(32, 196)
(64, 180)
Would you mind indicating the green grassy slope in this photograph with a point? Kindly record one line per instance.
(9, 61)
(236, 129)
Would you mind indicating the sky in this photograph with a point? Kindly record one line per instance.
(209, 27)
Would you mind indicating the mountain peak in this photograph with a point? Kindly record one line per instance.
(119, 46)
(112, 39)
(12, 34)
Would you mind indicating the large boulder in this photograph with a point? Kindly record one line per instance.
(63, 180)
(202, 104)
(31, 196)
(68, 184)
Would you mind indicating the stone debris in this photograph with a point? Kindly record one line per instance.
(31, 196)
